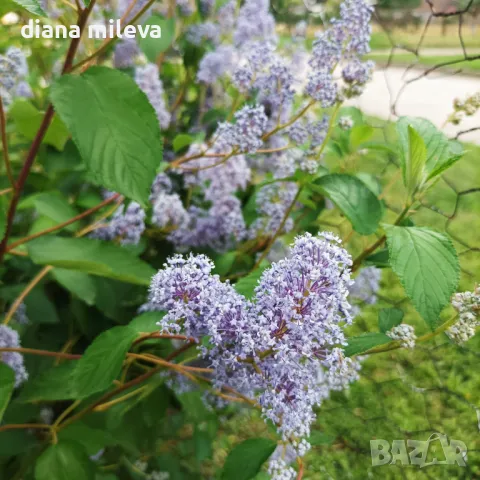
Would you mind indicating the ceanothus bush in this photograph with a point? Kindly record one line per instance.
(197, 232)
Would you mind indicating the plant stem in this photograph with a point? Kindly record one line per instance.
(369, 250)
(41, 353)
(397, 344)
(19, 426)
(47, 119)
(86, 213)
(33, 283)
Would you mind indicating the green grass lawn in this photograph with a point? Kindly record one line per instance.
(434, 38)
(401, 394)
(427, 61)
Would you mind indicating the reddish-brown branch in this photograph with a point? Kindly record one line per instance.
(86, 213)
(47, 119)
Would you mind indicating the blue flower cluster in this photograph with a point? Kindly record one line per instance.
(283, 348)
(10, 339)
(13, 71)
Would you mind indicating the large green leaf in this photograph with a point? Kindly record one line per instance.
(56, 207)
(441, 152)
(415, 162)
(92, 439)
(152, 47)
(28, 119)
(64, 461)
(56, 383)
(362, 343)
(91, 256)
(427, 264)
(247, 458)
(78, 283)
(7, 383)
(102, 361)
(115, 128)
(33, 6)
(354, 199)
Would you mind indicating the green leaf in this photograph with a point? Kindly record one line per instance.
(102, 361)
(360, 134)
(114, 127)
(40, 309)
(27, 121)
(354, 199)
(415, 174)
(153, 47)
(33, 6)
(64, 461)
(92, 439)
(427, 265)
(362, 343)
(78, 283)
(247, 458)
(389, 318)
(379, 259)
(7, 384)
(246, 285)
(181, 141)
(56, 207)
(91, 256)
(146, 322)
(53, 384)
(441, 152)
(224, 262)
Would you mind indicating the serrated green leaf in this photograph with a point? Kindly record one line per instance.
(427, 265)
(33, 6)
(362, 343)
(389, 318)
(441, 152)
(247, 458)
(153, 47)
(354, 199)
(56, 207)
(246, 285)
(114, 127)
(27, 120)
(91, 256)
(415, 173)
(102, 361)
(78, 283)
(64, 461)
(53, 384)
(7, 384)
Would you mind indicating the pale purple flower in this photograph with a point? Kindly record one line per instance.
(148, 80)
(216, 64)
(10, 339)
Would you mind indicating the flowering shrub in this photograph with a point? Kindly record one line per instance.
(201, 165)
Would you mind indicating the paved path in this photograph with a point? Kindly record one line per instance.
(430, 97)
